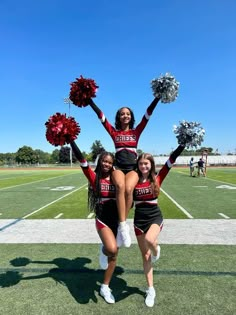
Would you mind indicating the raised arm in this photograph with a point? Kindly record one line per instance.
(88, 172)
(140, 127)
(96, 109)
(176, 153)
(169, 163)
(77, 152)
(152, 106)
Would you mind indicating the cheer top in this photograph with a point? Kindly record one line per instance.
(126, 142)
(107, 189)
(143, 193)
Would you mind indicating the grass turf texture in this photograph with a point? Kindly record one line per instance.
(54, 192)
(65, 279)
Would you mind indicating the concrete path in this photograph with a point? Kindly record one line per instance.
(189, 231)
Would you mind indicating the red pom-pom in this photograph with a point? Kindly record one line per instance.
(61, 130)
(82, 90)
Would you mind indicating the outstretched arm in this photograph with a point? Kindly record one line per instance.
(88, 172)
(152, 106)
(146, 116)
(176, 153)
(77, 152)
(95, 108)
(169, 163)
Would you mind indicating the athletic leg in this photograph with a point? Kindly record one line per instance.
(118, 178)
(131, 180)
(110, 249)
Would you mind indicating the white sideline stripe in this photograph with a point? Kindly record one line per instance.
(178, 205)
(36, 181)
(223, 215)
(90, 215)
(58, 216)
(50, 203)
(207, 178)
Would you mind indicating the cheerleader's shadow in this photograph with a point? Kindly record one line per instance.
(82, 282)
(120, 289)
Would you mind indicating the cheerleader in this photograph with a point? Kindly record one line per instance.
(125, 138)
(106, 213)
(148, 219)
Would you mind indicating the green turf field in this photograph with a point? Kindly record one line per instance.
(64, 279)
(45, 279)
(63, 193)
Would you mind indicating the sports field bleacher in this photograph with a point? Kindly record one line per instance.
(212, 160)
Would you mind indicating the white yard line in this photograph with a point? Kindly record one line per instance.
(178, 205)
(214, 180)
(36, 181)
(223, 215)
(50, 203)
(58, 216)
(90, 215)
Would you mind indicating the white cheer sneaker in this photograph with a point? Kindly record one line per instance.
(150, 297)
(105, 292)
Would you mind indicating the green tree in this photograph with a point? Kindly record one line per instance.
(96, 149)
(54, 158)
(64, 155)
(42, 157)
(7, 158)
(26, 155)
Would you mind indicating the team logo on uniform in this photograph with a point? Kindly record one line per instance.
(125, 138)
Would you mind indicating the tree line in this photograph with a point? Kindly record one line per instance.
(28, 156)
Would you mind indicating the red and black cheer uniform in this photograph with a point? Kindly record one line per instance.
(126, 142)
(147, 211)
(106, 208)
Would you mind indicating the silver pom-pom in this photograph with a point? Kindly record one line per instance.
(190, 134)
(165, 87)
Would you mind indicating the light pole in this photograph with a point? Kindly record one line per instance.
(68, 101)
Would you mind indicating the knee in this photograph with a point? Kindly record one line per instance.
(150, 242)
(129, 190)
(146, 256)
(112, 252)
(120, 187)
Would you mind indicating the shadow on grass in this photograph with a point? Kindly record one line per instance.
(81, 281)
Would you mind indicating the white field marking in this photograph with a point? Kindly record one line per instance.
(226, 187)
(0, 213)
(224, 216)
(201, 186)
(36, 181)
(214, 180)
(50, 203)
(90, 215)
(178, 205)
(61, 188)
(58, 216)
(7, 178)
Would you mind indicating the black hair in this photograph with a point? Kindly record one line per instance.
(117, 118)
(94, 195)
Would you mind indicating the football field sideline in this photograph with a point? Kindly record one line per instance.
(83, 231)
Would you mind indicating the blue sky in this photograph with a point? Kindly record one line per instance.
(122, 45)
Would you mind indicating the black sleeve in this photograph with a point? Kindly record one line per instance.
(153, 105)
(177, 152)
(77, 151)
(95, 108)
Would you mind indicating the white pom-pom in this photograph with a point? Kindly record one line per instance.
(191, 134)
(165, 87)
